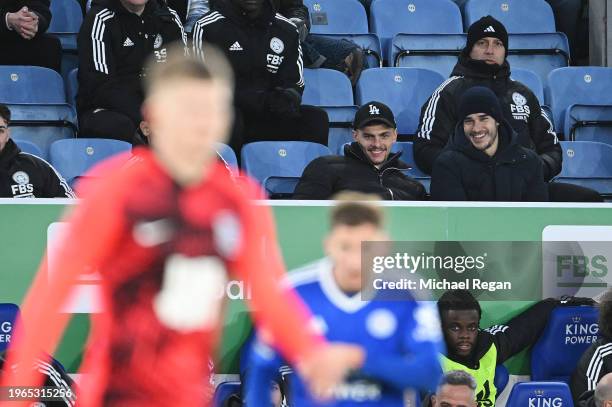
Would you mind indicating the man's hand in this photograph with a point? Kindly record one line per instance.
(24, 22)
(327, 367)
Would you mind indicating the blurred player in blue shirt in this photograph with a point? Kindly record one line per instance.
(400, 339)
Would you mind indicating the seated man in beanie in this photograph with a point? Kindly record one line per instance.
(367, 165)
(483, 160)
(22, 34)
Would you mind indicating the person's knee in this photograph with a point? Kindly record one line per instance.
(107, 124)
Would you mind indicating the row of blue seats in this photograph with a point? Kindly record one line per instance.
(402, 32)
(277, 165)
(580, 99)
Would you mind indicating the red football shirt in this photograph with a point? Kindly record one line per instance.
(162, 251)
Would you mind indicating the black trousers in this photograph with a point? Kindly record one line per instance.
(562, 192)
(311, 125)
(43, 50)
(108, 124)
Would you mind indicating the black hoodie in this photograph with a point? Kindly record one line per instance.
(326, 176)
(265, 52)
(463, 173)
(23, 175)
(520, 107)
(113, 46)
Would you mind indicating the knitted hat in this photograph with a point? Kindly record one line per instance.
(480, 99)
(486, 27)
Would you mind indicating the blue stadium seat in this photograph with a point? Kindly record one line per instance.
(587, 163)
(65, 25)
(278, 165)
(337, 17)
(42, 124)
(501, 378)
(589, 123)
(540, 53)
(437, 52)
(531, 80)
(30, 84)
(368, 42)
(540, 394)
(577, 85)
(30, 148)
(555, 354)
(229, 156)
(518, 16)
(8, 314)
(72, 87)
(73, 157)
(340, 126)
(404, 90)
(224, 391)
(327, 87)
(391, 17)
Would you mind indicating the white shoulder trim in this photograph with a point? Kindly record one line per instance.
(68, 191)
(308, 273)
(177, 20)
(283, 18)
(430, 112)
(595, 364)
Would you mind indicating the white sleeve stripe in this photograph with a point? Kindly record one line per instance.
(551, 129)
(69, 193)
(97, 38)
(55, 376)
(177, 20)
(209, 17)
(198, 33)
(430, 112)
(282, 18)
(596, 360)
(300, 64)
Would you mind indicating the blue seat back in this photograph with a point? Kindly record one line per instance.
(278, 165)
(577, 85)
(8, 315)
(589, 164)
(72, 87)
(224, 391)
(337, 17)
(67, 17)
(30, 84)
(518, 16)
(340, 126)
(501, 378)
(437, 52)
(73, 157)
(327, 87)
(391, 17)
(588, 123)
(556, 353)
(541, 394)
(30, 148)
(229, 156)
(404, 90)
(42, 124)
(531, 80)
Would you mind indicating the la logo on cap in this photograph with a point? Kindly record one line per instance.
(374, 110)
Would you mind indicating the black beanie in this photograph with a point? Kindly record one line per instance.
(486, 27)
(480, 99)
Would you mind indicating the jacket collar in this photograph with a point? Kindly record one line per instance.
(472, 68)
(116, 6)
(355, 152)
(8, 154)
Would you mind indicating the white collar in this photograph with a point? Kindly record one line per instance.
(348, 304)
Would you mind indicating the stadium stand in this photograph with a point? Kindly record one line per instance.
(555, 354)
(531, 80)
(540, 53)
(577, 86)
(391, 17)
(73, 157)
(404, 90)
(540, 394)
(30, 148)
(278, 165)
(224, 391)
(8, 314)
(30, 84)
(437, 52)
(589, 123)
(72, 87)
(518, 16)
(587, 163)
(65, 25)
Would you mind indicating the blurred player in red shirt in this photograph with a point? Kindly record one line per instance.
(163, 230)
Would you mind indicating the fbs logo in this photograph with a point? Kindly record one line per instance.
(582, 266)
